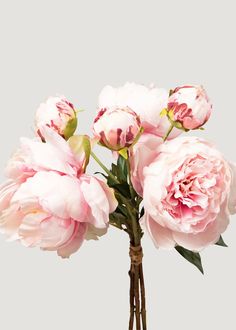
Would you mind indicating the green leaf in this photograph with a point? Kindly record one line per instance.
(119, 221)
(104, 175)
(193, 257)
(114, 169)
(122, 171)
(142, 212)
(221, 242)
(124, 189)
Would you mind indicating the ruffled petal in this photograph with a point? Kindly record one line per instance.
(101, 200)
(75, 243)
(162, 237)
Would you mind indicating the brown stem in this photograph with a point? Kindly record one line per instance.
(143, 298)
(137, 287)
(137, 300)
(132, 309)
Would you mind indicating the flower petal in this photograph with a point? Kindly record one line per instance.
(162, 237)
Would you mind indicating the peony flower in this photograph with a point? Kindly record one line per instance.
(189, 106)
(49, 202)
(141, 155)
(188, 194)
(54, 211)
(146, 102)
(57, 113)
(116, 128)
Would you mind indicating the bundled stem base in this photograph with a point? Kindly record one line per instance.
(137, 290)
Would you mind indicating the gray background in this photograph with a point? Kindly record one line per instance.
(75, 48)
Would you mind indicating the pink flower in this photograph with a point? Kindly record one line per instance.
(190, 106)
(57, 113)
(49, 202)
(146, 102)
(53, 211)
(116, 128)
(141, 155)
(54, 155)
(188, 194)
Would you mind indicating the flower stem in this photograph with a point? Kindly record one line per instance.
(137, 300)
(129, 177)
(143, 298)
(168, 132)
(104, 167)
(137, 289)
(132, 306)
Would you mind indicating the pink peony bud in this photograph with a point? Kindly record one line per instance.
(116, 128)
(57, 113)
(189, 106)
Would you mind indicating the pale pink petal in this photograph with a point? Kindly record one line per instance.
(211, 235)
(110, 196)
(7, 190)
(94, 233)
(57, 232)
(232, 197)
(34, 155)
(58, 195)
(10, 220)
(141, 155)
(30, 229)
(75, 242)
(162, 237)
(101, 202)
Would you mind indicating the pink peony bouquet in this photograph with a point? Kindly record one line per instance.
(180, 190)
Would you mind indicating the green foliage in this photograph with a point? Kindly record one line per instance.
(142, 212)
(221, 242)
(128, 200)
(193, 257)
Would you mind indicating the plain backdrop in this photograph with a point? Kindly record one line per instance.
(75, 48)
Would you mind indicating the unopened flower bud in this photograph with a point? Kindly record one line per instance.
(59, 114)
(116, 128)
(189, 107)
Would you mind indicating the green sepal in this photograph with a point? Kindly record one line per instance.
(81, 144)
(124, 152)
(70, 128)
(193, 257)
(163, 112)
(137, 136)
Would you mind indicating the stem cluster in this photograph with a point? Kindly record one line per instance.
(137, 290)
(127, 218)
(137, 286)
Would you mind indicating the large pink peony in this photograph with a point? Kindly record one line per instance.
(48, 201)
(188, 194)
(146, 102)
